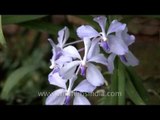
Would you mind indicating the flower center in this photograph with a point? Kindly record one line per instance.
(103, 36)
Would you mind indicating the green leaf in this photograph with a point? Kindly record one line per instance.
(11, 19)
(45, 27)
(14, 78)
(114, 87)
(2, 39)
(121, 83)
(132, 92)
(137, 82)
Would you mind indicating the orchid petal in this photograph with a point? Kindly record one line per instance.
(62, 60)
(68, 70)
(72, 52)
(117, 45)
(100, 58)
(128, 39)
(56, 98)
(101, 20)
(111, 62)
(131, 59)
(85, 86)
(56, 79)
(115, 26)
(86, 31)
(63, 35)
(94, 49)
(80, 100)
(94, 76)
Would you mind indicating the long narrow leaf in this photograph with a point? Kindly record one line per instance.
(132, 92)
(14, 78)
(121, 83)
(137, 82)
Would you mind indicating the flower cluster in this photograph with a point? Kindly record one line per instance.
(67, 62)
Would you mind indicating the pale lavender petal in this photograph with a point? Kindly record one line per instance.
(71, 51)
(131, 59)
(80, 100)
(56, 98)
(63, 35)
(56, 79)
(115, 26)
(68, 70)
(101, 20)
(100, 58)
(85, 86)
(62, 60)
(128, 39)
(111, 62)
(117, 45)
(94, 49)
(86, 31)
(94, 76)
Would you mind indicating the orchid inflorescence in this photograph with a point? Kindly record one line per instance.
(67, 62)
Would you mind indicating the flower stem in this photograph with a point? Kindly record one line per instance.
(80, 50)
(71, 43)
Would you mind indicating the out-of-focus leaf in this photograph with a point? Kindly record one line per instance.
(132, 92)
(45, 27)
(11, 19)
(2, 39)
(31, 63)
(137, 81)
(14, 78)
(121, 83)
(114, 87)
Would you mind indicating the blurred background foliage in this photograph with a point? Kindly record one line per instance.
(25, 53)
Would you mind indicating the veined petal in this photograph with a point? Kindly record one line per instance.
(131, 59)
(68, 70)
(86, 31)
(117, 45)
(56, 98)
(100, 58)
(85, 86)
(101, 20)
(63, 35)
(115, 26)
(94, 76)
(80, 100)
(94, 49)
(72, 52)
(128, 39)
(111, 62)
(56, 79)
